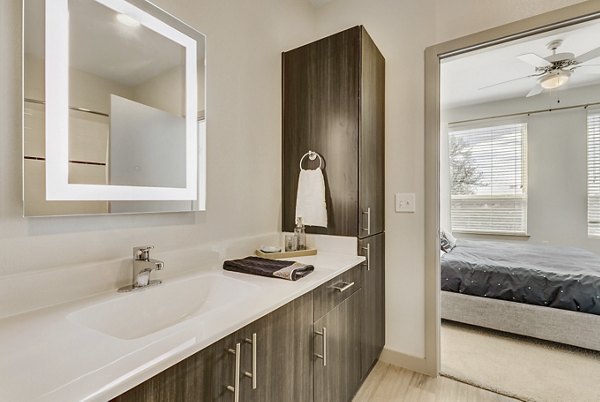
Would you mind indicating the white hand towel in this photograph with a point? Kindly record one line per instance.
(310, 199)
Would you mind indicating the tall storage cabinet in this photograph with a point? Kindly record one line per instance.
(334, 104)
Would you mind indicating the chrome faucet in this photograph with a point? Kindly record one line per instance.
(143, 265)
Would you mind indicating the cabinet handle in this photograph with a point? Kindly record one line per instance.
(253, 373)
(342, 286)
(368, 228)
(368, 261)
(236, 387)
(323, 333)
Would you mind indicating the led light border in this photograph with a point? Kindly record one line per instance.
(57, 112)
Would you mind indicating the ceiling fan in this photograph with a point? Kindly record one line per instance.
(555, 70)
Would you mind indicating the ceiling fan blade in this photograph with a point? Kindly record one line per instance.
(535, 91)
(506, 82)
(592, 54)
(534, 60)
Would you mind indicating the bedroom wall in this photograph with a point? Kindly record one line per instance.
(557, 166)
(402, 30)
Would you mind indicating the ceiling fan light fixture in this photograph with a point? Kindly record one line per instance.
(555, 79)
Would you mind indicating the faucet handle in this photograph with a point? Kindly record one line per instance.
(142, 253)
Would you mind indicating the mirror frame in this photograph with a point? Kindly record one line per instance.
(58, 187)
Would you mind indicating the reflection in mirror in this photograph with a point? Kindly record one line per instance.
(127, 109)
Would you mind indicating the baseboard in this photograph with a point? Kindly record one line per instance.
(400, 359)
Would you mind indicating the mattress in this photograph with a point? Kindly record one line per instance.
(561, 277)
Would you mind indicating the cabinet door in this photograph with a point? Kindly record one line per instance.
(373, 304)
(320, 113)
(372, 139)
(282, 362)
(337, 342)
(203, 376)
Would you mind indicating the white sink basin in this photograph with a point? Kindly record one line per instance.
(143, 312)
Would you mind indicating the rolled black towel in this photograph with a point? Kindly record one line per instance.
(290, 270)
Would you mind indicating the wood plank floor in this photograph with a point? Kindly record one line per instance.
(388, 383)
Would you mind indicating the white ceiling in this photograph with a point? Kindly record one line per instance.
(464, 75)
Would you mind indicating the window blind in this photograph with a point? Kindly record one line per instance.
(593, 156)
(488, 170)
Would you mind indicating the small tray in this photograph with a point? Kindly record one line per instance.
(287, 254)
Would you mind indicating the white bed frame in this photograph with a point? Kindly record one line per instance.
(552, 324)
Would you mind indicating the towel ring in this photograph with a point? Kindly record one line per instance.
(312, 156)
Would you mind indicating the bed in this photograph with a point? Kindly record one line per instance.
(547, 292)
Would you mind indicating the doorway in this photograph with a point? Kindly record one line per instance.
(517, 162)
(435, 55)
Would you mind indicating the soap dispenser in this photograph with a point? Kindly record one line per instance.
(300, 234)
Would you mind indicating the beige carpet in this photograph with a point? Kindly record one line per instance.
(521, 367)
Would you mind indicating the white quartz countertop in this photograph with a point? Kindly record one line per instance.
(45, 356)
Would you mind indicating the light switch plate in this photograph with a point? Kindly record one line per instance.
(405, 202)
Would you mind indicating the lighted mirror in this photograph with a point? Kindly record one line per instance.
(113, 109)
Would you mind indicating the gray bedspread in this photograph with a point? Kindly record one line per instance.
(562, 277)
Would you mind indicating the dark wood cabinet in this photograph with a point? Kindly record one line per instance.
(283, 354)
(333, 104)
(337, 374)
(371, 156)
(373, 301)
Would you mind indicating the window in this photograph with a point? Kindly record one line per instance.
(593, 151)
(488, 171)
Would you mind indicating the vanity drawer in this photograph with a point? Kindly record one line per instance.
(331, 293)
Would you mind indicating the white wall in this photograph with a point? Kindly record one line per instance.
(402, 30)
(244, 44)
(557, 164)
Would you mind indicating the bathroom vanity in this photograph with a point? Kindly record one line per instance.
(208, 334)
(309, 349)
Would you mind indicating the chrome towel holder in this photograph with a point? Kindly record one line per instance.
(312, 156)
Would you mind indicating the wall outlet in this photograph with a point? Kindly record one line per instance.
(405, 202)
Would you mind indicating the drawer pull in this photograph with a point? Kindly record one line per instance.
(342, 286)
(323, 333)
(236, 387)
(368, 261)
(368, 228)
(252, 375)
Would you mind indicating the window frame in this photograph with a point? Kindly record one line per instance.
(493, 123)
(592, 111)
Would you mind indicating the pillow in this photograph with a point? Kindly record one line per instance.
(444, 243)
(447, 241)
(450, 238)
